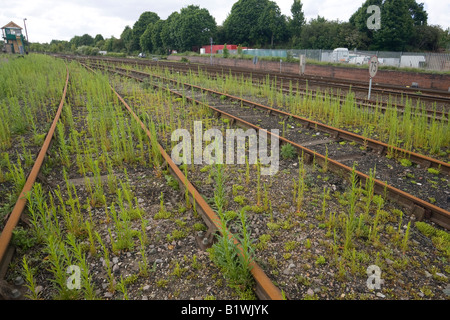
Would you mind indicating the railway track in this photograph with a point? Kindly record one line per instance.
(244, 112)
(5, 237)
(420, 208)
(264, 289)
(398, 93)
(379, 106)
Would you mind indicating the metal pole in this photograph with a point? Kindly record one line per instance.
(210, 59)
(370, 87)
(26, 33)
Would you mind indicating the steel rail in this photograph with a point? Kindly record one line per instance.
(16, 213)
(381, 147)
(328, 81)
(265, 288)
(384, 106)
(420, 208)
(430, 114)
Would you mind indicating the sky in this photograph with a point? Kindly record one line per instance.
(63, 19)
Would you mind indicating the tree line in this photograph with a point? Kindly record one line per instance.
(260, 24)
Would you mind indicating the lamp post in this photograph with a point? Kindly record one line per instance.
(26, 32)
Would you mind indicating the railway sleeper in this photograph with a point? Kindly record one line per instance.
(206, 239)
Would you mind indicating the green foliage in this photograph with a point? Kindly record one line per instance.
(320, 260)
(288, 151)
(405, 163)
(234, 261)
(257, 22)
(260, 23)
(403, 22)
(440, 238)
(22, 239)
(140, 26)
(433, 171)
(194, 27)
(296, 22)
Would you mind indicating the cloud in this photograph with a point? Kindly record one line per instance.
(62, 20)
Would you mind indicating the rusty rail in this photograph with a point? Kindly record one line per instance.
(380, 105)
(265, 289)
(381, 147)
(16, 213)
(420, 208)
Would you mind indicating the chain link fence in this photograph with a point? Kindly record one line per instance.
(423, 60)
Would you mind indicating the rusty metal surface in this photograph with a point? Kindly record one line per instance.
(382, 147)
(266, 289)
(7, 231)
(434, 213)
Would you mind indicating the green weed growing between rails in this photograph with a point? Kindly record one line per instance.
(301, 184)
(233, 261)
(107, 263)
(86, 285)
(30, 281)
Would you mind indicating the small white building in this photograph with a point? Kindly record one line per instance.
(412, 61)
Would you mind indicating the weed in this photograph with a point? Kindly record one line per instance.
(405, 163)
(30, 282)
(290, 245)
(433, 171)
(235, 263)
(263, 241)
(288, 151)
(240, 199)
(320, 260)
(162, 283)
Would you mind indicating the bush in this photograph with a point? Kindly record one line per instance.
(226, 53)
(87, 51)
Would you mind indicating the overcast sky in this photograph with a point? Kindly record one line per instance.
(63, 19)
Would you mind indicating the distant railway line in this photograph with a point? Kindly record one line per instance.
(421, 208)
(437, 101)
(111, 200)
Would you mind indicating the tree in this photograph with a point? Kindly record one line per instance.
(98, 38)
(157, 43)
(169, 33)
(140, 26)
(255, 22)
(320, 34)
(444, 39)
(271, 25)
(86, 40)
(296, 22)
(400, 24)
(427, 38)
(114, 45)
(241, 24)
(194, 27)
(127, 38)
(396, 27)
(146, 39)
(417, 12)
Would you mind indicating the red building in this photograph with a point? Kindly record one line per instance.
(217, 47)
